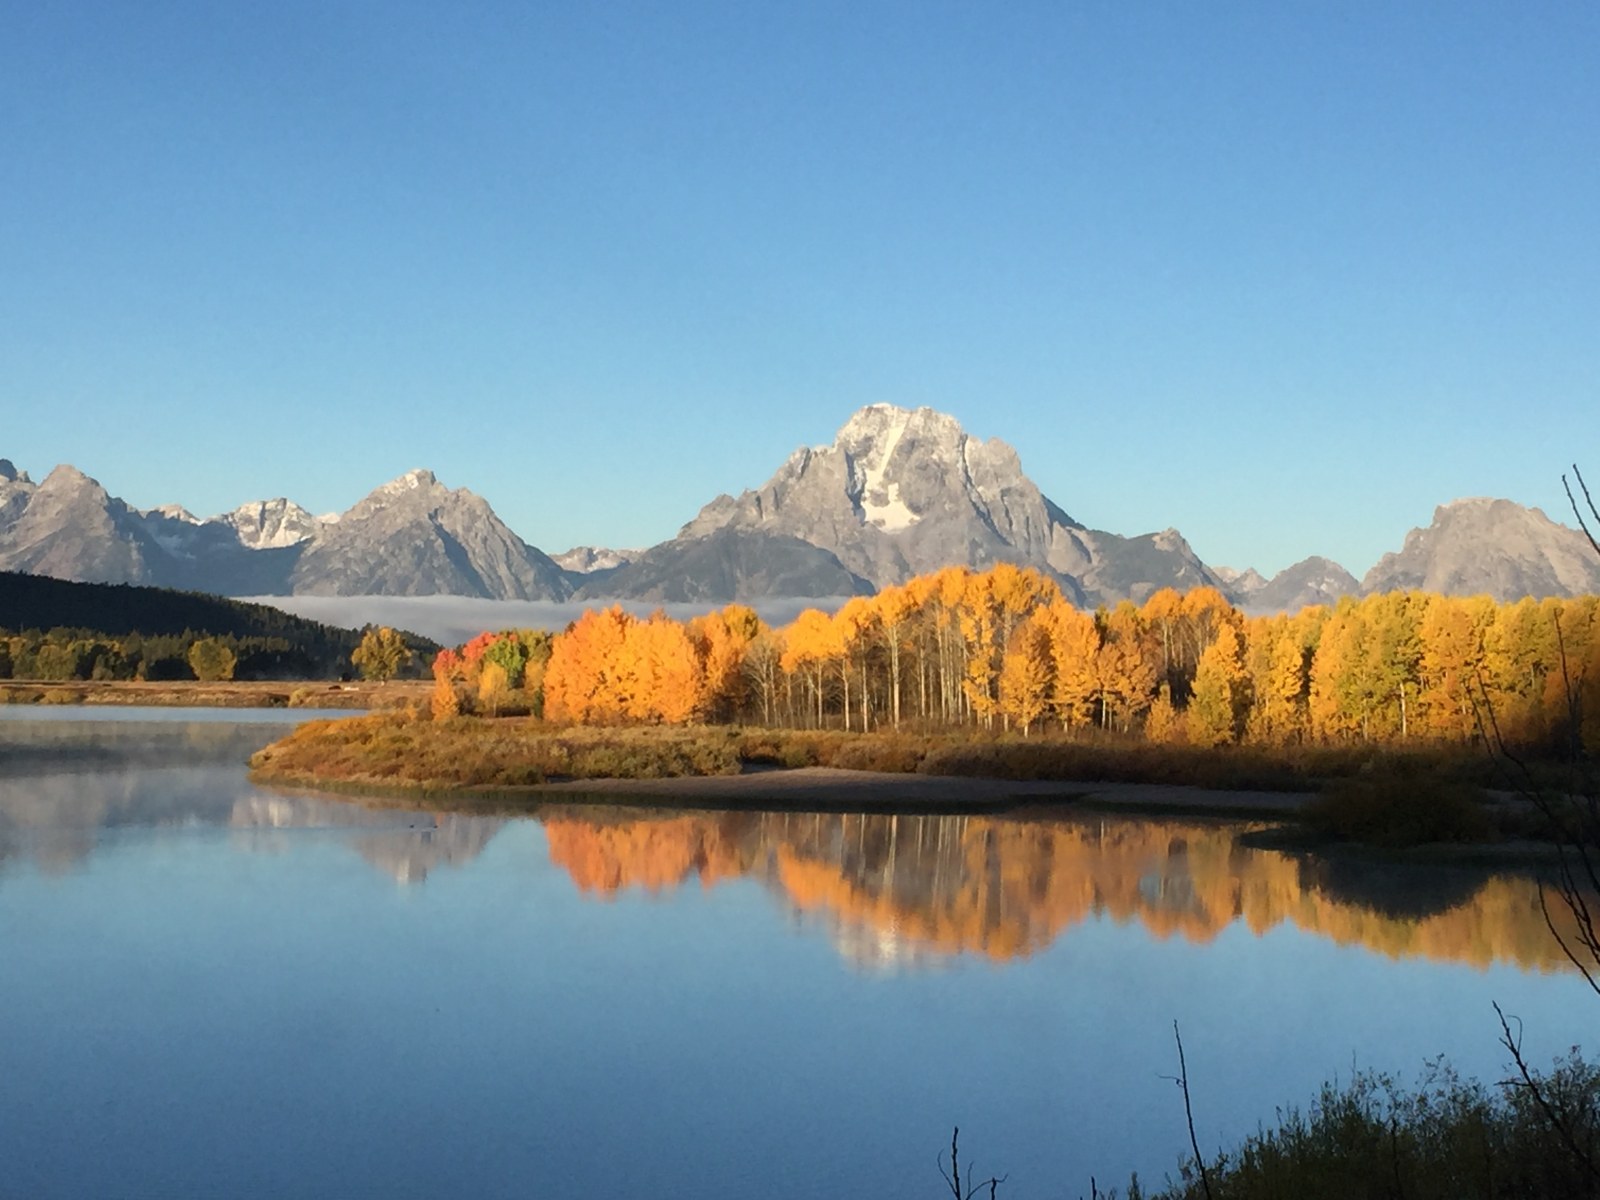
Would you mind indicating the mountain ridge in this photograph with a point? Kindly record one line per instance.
(898, 492)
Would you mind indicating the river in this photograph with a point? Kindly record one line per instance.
(212, 988)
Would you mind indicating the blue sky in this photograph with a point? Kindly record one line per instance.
(1282, 276)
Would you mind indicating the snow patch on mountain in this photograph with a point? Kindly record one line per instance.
(879, 498)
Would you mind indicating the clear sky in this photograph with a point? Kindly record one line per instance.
(1284, 276)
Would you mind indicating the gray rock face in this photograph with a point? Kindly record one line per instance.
(411, 537)
(584, 560)
(415, 537)
(70, 528)
(1238, 584)
(15, 490)
(903, 492)
(271, 524)
(726, 565)
(1314, 580)
(1490, 547)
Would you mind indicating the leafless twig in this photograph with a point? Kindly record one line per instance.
(1188, 1112)
(1594, 513)
(953, 1180)
(1526, 1081)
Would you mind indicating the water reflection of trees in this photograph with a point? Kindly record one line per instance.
(914, 887)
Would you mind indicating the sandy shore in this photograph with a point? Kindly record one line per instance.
(832, 788)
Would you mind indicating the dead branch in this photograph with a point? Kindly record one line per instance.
(1528, 1083)
(1594, 513)
(952, 1179)
(1188, 1112)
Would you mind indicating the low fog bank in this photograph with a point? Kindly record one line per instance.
(451, 620)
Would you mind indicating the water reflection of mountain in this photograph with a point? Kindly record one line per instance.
(406, 845)
(57, 820)
(899, 890)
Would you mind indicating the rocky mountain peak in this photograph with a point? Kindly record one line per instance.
(904, 491)
(414, 537)
(10, 474)
(1531, 554)
(418, 480)
(583, 560)
(267, 524)
(67, 478)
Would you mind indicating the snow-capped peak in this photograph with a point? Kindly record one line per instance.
(869, 438)
(271, 524)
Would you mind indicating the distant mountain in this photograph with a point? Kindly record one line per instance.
(1490, 547)
(415, 537)
(726, 565)
(69, 527)
(15, 490)
(901, 492)
(271, 524)
(1238, 583)
(585, 560)
(1314, 580)
(410, 537)
(898, 492)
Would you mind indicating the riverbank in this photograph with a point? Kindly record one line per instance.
(842, 789)
(1319, 799)
(192, 693)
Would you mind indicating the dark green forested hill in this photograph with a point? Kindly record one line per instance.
(119, 631)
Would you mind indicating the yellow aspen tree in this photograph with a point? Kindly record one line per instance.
(980, 633)
(1164, 724)
(494, 688)
(1127, 675)
(895, 608)
(1074, 644)
(810, 647)
(1025, 676)
(665, 679)
(723, 639)
(855, 627)
(444, 702)
(1452, 656)
(1163, 614)
(1216, 709)
(1278, 682)
(585, 680)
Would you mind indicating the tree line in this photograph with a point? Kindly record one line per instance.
(1003, 649)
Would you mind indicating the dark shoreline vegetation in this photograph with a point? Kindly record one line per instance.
(1443, 1138)
(57, 632)
(234, 693)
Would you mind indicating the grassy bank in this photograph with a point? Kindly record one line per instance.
(1375, 797)
(394, 751)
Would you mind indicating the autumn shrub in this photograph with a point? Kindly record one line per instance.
(1400, 805)
(899, 755)
(409, 749)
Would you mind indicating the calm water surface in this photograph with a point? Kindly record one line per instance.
(210, 988)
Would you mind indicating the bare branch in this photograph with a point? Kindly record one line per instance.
(952, 1179)
(1555, 1118)
(1594, 513)
(1188, 1112)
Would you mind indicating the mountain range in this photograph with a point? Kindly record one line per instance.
(899, 492)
